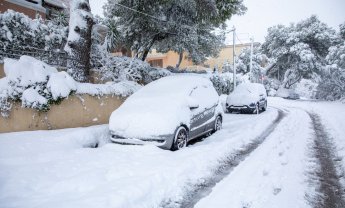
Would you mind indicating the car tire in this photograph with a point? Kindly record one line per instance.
(180, 138)
(265, 106)
(218, 124)
(257, 109)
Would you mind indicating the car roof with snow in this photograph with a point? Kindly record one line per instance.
(250, 87)
(172, 86)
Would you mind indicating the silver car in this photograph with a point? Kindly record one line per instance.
(168, 113)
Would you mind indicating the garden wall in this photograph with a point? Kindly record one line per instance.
(75, 111)
(2, 72)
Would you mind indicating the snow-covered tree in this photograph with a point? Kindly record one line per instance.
(342, 30)
(198, 44)
(144, 23)
(298, 51)
(259, 60)
(79, 40)
(332, 86)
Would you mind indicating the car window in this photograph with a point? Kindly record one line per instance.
(206, 96)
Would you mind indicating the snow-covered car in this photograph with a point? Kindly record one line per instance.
(168, 113)
(248, 98)
(287, 93)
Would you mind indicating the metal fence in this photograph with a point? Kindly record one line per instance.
(53, 58)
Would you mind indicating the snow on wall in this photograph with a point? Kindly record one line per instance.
(36, 83)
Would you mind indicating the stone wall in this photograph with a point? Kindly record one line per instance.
(75, 111)
(2, 72)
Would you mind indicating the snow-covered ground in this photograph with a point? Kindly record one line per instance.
(63, 169)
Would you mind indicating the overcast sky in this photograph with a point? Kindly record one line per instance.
(263, 14)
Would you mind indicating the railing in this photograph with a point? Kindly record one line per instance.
(53, 58)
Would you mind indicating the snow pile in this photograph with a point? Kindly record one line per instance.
(61, 84)
(31, 97)
(39, 85)
(27, 71)
(124, 89)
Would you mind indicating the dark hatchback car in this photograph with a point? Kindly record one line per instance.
(247, 98)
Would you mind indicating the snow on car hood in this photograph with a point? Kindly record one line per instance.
(146, 119)
(242, 99)
(156, 109)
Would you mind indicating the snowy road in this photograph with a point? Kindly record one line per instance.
(266, 160)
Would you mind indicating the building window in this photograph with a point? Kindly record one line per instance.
(156, 63)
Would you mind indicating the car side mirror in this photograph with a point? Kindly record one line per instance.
(193, 107)
(192, 104)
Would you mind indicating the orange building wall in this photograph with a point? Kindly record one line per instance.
(225, 55)
(169, 59)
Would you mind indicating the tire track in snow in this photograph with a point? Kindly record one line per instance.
(201, 190)
(330, 191)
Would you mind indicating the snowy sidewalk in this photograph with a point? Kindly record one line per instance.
(59, 169)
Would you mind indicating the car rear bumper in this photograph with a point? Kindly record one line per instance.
(164, 142)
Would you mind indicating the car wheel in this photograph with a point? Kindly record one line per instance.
(257, 109)
(218, 124)
(180, 139)
(265, 106)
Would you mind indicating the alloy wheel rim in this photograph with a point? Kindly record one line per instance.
(181, 139)
(218, 124)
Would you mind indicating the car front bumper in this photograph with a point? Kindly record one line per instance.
(241, 108)
(163, 142)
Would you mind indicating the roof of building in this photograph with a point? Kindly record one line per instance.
(56, 3)
(35, 6)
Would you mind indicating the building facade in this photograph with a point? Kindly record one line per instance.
(46, 9)
(225, 56)
(163, 60)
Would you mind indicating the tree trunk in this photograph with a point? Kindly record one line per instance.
(179, 60)
(79, 41)
(147, 50)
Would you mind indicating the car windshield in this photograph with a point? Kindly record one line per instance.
(245, 89)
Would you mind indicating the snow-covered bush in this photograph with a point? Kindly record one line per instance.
(19, 33)
(124, 68)
(27, 81)
(307, 88)
(272, 85)
(222, 84)
(332, 86)
(38, 85)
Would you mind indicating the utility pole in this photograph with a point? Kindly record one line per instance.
(233, 54)
(251, 60)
